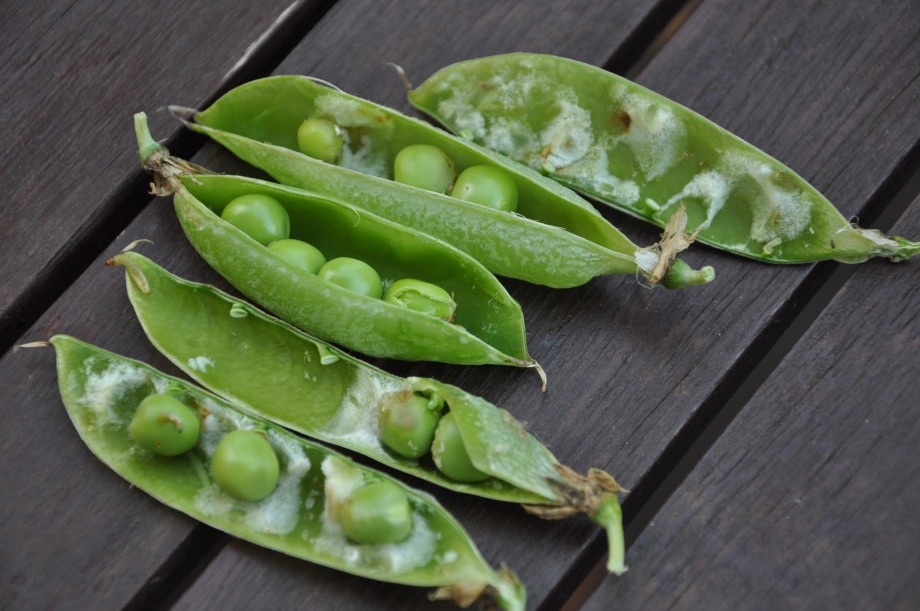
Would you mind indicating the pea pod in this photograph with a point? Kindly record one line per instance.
(301, 383)
(555, 239)
(101, 392)
(489, 325)
(629, 147)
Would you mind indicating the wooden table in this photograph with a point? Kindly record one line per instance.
(767, 424)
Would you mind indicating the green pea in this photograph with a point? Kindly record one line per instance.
(259, 216)
(320, 139)
(376, 514)
(450, 455)
(353, 275)
(488, 186)
(422, 297)
(245, 465)
(164, 425)
(407, 422)
(426, 167)
(303, 255)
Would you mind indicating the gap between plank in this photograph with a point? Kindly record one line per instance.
(737, 387)
(652, 33)
(180, 570)
(109, 220)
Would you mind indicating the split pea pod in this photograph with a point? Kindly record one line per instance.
(301, 515)
(486, 327)
(555, 238)
(642, 153)
(286, 376)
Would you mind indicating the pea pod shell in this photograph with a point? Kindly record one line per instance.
(101, 391)
(556, 239)
(299, 382)
(642, 153)
(490, 323)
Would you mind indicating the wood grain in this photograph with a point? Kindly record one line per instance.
(809, 499)
(72, 74)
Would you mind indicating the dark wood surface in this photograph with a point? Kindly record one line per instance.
(638, 378)
(809, 500)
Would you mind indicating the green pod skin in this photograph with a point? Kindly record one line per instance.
(101, 391)
(555, 238)
(638, 151)
(278, 372)
(489, 325)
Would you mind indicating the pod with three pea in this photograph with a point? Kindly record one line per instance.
(646, 155)
(420, 426)
(440, 305)
(553, 237)
(259, 482)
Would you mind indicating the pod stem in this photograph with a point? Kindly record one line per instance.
(609, 516)
(595, 495)
(659, 262)
(681, 275)
(906, 249)
(167, 170)
(146, 145)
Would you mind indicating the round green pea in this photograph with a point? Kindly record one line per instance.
(407, 422)
(245, 465)
(488, 186)
(261, 217)
(164, 425)
(426, 167)
(422, 297)
(303, 255)
(320, 139)
(450, 455)
(376, 514)
(353, 275)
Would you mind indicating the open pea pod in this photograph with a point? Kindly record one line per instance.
(555, 238)
(638, 151)
(301, 516)
(487, 326)
(299, 382)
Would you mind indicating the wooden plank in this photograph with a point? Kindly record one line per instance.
(629, 368)
(809, 499)
(631, 371)
(71, 76)
(75, 534)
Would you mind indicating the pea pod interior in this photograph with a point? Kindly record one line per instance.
(101, 391)
(489, 323)
(555, 238)
(297, 381)
(640, 152)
